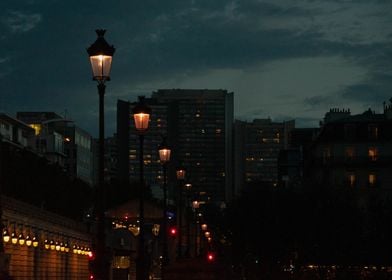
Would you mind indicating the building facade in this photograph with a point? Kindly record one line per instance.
(61, 141)
(16, 132)
(257, 147)
(354, 150)
(198, 125)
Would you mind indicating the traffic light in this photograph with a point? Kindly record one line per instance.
(92, 265)
(210, 257)
(173, 231)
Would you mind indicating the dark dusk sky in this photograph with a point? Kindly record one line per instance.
(282, 58)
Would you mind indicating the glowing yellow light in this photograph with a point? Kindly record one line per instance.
(35, 242)
(47, 246)
(6, 236)
(57, 247)
(29, 242)
(62, 247)
(14, 239)
(52, 245)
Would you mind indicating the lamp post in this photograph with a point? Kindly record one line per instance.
(188, 188)
(4, 258)
(164, 157)
(101, 54)
(195, 206)
(141, 115)
(180, 173)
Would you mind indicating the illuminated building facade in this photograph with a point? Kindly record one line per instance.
(41, 245)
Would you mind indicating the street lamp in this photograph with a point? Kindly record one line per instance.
(188, 188)
(101, 54)
(180, 173)
(141, 115)
(196, 206)
(164, 157)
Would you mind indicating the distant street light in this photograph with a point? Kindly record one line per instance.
(101, 54)
(196, 206)
(180, 177)
(164, 157)
(188, 188)
(141, 116)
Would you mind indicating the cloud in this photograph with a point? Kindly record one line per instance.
(299, 57)
(18, 21)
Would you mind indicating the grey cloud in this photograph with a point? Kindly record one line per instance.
(18, 21)
(157, 40)
(318, 100)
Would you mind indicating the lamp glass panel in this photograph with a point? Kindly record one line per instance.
(164, 155)
(101, 66)
(141, 121)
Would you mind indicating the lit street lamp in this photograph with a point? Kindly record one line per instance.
(195, 206)
(180, 177)
(101, 54)
(164, 157)
(188, 188)
(141, 115)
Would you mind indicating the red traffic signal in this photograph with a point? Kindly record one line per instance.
(210, 257)
(173, 231)
(91, 256)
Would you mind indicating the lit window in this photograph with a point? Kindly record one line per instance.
(373, 154)
(37, 128)
(372, 179)
(349, 153)
(351, 179)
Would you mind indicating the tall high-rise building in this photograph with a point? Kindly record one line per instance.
(198, 125)
(257, 146)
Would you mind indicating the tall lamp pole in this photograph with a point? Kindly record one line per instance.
(180, 177)
(195, 206)
(141, 115)
(3, 256)
(164, 157)
(101, 54)
(188, 188)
